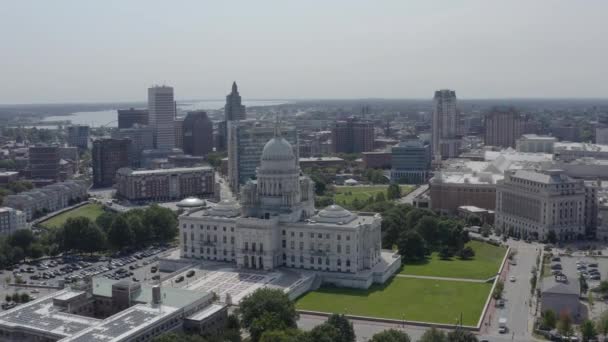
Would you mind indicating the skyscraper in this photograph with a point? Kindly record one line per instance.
(44, 162)
(108, 156)
(234, 110)
(503, 126)
(161, 108)
(246, 140)
(445, 125)
(141, 139)
(178, 126)
(129, 117)
(198, 134)
(78, 136)
(353, 136)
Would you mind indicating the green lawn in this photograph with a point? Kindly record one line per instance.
(484, 265)
(426, 300)
(346, 194)
(91, 211)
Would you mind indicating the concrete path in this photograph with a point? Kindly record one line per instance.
(440, 278)
(409, 198)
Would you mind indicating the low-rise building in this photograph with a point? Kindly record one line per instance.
(319, 162)
(561, 296)
(10, 220)
(8, 177)
(568, 151)
(165, 184)
(377, 160)
(533, 143)
(39, 201)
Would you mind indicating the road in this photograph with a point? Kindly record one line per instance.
(517, 295)
(409, 198)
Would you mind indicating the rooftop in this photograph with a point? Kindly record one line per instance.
(550, 285)
(41, 315)
(120, 326)
(576, 146)
(164, 171)
(207, 312)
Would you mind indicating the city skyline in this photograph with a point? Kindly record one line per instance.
(321, 51)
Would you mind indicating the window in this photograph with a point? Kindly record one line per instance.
(284, 244)
(224, 239)
(326, 261)
(246, 245)
(312, 235)
(301, 234)
(224, 228)
(327, 236)
(301, 258)
(232, 240)
(232, 229)
(347, 249)
(301, 245)
(339, 249)
(347, 263)
(339, 237)
(292, 244)
(214, 227)
(261, 247)
(283, 232)
(347, 237)
(253, 246)
(293, 234)
(284, 257)
(293, 258)
(214, 238)
(312, 260)
(339, 262)
(320, 236)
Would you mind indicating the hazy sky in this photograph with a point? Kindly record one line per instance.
(83, 51)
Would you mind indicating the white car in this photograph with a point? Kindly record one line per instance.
(512, 279)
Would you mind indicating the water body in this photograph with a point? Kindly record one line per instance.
(108, 117)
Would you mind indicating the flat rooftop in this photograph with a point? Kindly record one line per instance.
(172, 170)
(41, 315)
(576, 146)
(207, 312)
(124, 324)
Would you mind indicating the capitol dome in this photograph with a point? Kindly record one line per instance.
(278, 149)
(334, 214)
(191, 202)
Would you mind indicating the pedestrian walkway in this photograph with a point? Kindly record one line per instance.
(441, 278)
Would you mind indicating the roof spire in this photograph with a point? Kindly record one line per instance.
(277, 126)
(234, 88)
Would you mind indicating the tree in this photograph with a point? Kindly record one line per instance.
(444, 253)
(412, 246)
(36, 251)
(24, 297)
(433, 335)
(460, 335)
(120, 234)
(427, 227)
(92, 239)
(602, 323)
(393, 191)
(588, 331)
(72, 232)
(141, 233)
(344, 327)
(390, 335)
(288, 335)
(17, 254)
(583, 284)
(21, 238)
(268, 321)
(321, 333)
(564, 324)
(549, 319)
(414, 215)
(467, 253)
(104, 221)
(380, 197)
(272, 301)
(162, 221)
(498, 289)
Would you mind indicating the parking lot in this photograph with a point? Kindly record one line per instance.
(592, 269)
(137, 266)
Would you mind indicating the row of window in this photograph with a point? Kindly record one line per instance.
(319, 235)
(185, 225)
(312, 246)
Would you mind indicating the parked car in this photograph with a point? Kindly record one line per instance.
(190, 273)
(179, 279)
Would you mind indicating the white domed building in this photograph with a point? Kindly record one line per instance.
(276, 225)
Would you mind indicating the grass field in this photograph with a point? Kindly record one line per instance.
(484, 265)
(346, 194)
(91, 211)
(438, 301)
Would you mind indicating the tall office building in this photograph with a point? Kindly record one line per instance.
(197, 134)
(141, 137)
(108, 156)
(78, 136)
(44, 162)
(127, 118)
(234, 110)
(503, 126)
(246, 140)
(178, 126)
(161, 109)
(353, 136)
(445, 125)
(411, 161)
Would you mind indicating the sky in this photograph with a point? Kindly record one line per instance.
(113, 50)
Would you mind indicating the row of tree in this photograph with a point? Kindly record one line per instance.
(565, 326)
(418, 232)
(137, 227)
